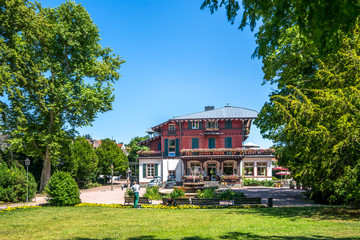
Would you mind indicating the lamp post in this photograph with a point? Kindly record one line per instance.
(128, 174)
(112, 173)
(27, 163)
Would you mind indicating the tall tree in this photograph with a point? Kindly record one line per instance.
(54, 74)
(109, 153)
(84, 158)
(134, 148)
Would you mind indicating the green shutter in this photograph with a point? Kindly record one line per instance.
(228, 142)
(156, 170)
(159, 146)
(166, 150)
(211, 143)
(177, 153)
(195, 143)
(144, 170)
(200, 125)
(189, 125)
(230, 124)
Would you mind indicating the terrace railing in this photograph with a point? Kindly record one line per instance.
(149, 153)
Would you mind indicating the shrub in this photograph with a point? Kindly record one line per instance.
(62, 190)
(152, 193)
(230, 194)
(254, 182)
(13, 184)
(177, 193)
(206, 193)
(129, 193)
(90, 185)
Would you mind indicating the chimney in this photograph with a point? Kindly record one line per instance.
(208, 108)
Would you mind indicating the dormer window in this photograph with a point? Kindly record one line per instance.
(211, 124)
(171, 126)
(195, 124)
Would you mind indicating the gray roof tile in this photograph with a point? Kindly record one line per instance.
(225, 112)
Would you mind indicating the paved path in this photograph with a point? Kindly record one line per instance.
(281, 196)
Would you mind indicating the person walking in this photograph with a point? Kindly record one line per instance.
(136, 189)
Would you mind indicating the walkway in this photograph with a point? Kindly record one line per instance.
(281, 196)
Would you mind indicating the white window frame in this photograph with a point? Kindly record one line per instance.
(195, 124)
(172, 147)
(171, 126)
(253, 167)
(261, 165)
(212, 124)
(150, 170)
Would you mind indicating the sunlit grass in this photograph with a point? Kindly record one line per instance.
(117, 223)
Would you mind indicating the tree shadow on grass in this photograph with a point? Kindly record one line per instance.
(293, 213)
(239, 235)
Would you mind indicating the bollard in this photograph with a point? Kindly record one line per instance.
(270, 202)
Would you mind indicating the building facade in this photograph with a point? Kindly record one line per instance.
(207, 144)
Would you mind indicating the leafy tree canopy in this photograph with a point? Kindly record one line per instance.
(134, 148)
(109, 153)
(55, 76)
(316, 126)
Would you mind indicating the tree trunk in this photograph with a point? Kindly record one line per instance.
(46, 171)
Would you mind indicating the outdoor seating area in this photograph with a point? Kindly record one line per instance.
(142, 200)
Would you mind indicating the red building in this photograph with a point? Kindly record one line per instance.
(207, 143)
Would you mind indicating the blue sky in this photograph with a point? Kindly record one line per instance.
(178, 60)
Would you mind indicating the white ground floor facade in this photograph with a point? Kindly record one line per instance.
(254, 166)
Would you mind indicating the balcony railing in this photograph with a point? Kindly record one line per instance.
(149, 153)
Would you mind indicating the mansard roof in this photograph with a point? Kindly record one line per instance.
(221, 113)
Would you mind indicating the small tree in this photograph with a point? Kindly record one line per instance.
(62, 190)
(110, 154)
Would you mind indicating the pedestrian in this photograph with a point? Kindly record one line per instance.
(122, 186)
(136, 189)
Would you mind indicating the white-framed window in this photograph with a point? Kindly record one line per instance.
(172, 144)
(249, 169)
(211, 124)
(150, 170)
(171, 126)
(261, 168)
(172, 174)
(194, 124)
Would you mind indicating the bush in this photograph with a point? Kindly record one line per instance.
(13, 184)
(152, 193)
(230, 194)
(129, 193)
(177, 193)
(90, 185)
(62, 190)
(206, 193)
(254, 182)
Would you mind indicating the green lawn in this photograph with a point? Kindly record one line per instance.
(116, 223)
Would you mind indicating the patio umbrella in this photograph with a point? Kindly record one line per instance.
(283, 173)
(280, 169)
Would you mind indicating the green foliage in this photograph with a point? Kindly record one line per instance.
(230, 194)
(90, 185)
(110, 154)
(46, 55)
(84, 158)
(152, 193)
(254, 182)
(13, 183)
(62, 190)
(316, 126)
(177, 193)
(129, 193)
(134, 148)
(206, 193)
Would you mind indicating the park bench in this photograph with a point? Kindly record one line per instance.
(251, 201)
(205, 201)
(142, 200)
(178, 201)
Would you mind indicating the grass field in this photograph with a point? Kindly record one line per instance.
(113, 223)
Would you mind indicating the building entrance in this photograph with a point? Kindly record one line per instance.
(212, 171)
